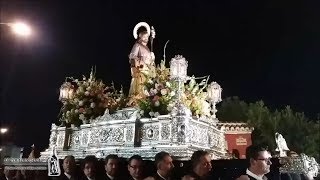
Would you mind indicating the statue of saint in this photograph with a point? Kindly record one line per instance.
(141, 59)
(281, 145)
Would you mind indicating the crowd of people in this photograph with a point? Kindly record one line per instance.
(135, 168)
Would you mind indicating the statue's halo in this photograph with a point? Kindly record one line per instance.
(140, 24)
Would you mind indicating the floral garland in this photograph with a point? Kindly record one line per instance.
(89, 100)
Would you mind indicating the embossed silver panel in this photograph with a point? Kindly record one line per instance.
(116, 134)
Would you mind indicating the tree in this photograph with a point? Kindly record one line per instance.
(301, 134)
(232, 109)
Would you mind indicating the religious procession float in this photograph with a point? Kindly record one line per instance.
(165, 110)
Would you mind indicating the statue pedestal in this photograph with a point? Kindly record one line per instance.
(125, 135)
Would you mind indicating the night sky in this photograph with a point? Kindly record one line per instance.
(255, 49)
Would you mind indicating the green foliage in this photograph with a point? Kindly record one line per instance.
(301, 134)
(232, 109)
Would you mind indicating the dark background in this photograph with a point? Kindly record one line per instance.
(266, 49)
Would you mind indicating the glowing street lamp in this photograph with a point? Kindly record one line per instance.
(19, 28)
(3, 130)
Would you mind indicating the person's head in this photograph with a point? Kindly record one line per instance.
(259, 158)
(89, 166)
(135, 166)
(69, 164)
(144, 36)
(201, 163)
(111, 164)
(163, 162)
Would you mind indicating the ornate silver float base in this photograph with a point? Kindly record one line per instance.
(125, 135)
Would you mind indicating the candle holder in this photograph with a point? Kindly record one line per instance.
(66, 91)
(178, 73)
(214, 91)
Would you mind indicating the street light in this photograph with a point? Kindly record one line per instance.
(3, 130)
(19, 28)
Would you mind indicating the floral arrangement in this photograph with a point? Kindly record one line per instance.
(196, 98)
(89, 99)
(160, 94)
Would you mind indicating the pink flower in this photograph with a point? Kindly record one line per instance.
(155, 98)
(81, 110)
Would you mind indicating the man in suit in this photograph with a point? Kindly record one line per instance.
(201, 166)
(89, 168)
(164, 165)
(112, 167)
(260, 162)
(135, 167)
(69, 168)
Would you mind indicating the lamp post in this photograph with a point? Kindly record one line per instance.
(3, 135)
(178, 73)
(19, 28)
(214, 91)
(3, 130)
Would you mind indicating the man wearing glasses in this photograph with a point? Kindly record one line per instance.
(135, 167)
(259, 158)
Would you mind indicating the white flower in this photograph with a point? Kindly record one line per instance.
(172, 93)
(205, 108)
(76, 111)
(168, 84)
(141, 112)
(156, 114)
(157, 86)
(146, 93)
(151, 113)
(68, 113)
(150, 81)
(82, 117)
(80, 103)
(163, 92)
(153, 91)
(87, 93)
(156, 103)
(170, 107)
(92, 105)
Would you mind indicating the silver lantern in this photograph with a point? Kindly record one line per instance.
(178, 73)
(178, 68)
(66, 91)
(214, 91)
